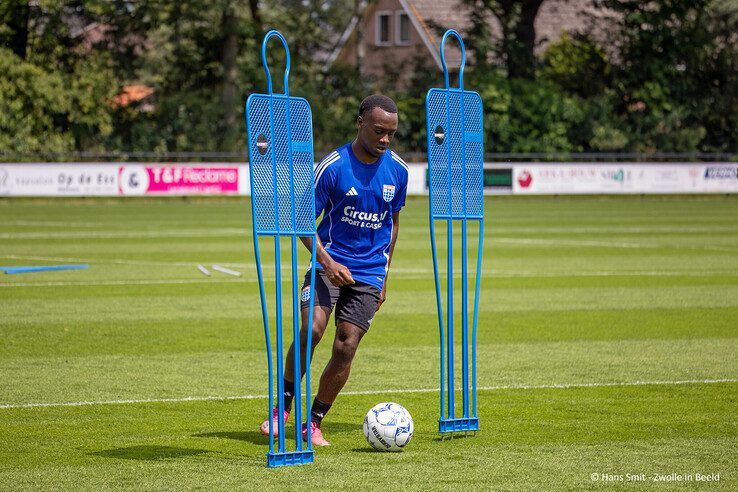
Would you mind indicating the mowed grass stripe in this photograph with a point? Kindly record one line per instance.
(187, 241)
(177, 375)
(32, 339)
(408, 302)
(407, 274)
(368, 392)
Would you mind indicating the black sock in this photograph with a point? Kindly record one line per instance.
(289, 394)
(318, 411)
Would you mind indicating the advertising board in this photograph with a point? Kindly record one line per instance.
(624, 178)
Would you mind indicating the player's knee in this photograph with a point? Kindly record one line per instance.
(344, 349)
(315, 337)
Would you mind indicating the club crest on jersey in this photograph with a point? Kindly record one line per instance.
(388, 193)
(305, 295)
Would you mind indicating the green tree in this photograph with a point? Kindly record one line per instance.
(578, 65)
(55, 94)
(311, 28)
(582, 69)
(49, 111)
(528, 116)
(517, 18)
(15, 16)
(678, 75)
(194, 59)
(204, 60)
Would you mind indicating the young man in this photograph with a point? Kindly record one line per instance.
(360, 189)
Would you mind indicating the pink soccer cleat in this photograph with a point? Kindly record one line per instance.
(264, 427)
(316, 435)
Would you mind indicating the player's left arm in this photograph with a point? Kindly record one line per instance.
(393, 239)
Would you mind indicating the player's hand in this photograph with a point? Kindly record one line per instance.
(338, 274)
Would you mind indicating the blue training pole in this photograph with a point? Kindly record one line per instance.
(455, 163)
(281, 171)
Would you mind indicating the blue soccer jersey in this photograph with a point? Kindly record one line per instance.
(357, 201)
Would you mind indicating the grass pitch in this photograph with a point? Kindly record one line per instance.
(607, 351)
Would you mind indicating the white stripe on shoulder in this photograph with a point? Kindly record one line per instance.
(327, 158)
(323, 169)
(399, 160)
(325, 163)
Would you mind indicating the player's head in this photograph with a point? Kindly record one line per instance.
(376, 124)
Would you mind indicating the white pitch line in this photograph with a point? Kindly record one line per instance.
(372, 392)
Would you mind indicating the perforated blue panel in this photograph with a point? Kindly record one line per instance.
(474, 146)
(455, 153)
(279, 183)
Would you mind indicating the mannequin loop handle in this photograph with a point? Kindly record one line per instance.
(267, 37)
(449, 33)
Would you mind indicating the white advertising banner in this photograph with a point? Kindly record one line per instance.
(177, 179)
(143, 179)
(624, 178)
(36, 179)
(416, 179)
(116, 179)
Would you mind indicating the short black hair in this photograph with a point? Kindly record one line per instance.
(377, 101)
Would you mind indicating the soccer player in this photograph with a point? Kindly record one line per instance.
(360, 189)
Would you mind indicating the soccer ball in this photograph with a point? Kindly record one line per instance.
(388, 427)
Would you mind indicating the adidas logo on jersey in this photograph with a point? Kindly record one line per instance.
(352, 192)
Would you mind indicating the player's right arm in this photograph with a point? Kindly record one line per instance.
(325, 181)
(336, 273)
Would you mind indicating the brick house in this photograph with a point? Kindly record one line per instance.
(398, 32)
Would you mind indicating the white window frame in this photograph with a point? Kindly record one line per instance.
(378, 28)
(398, 38)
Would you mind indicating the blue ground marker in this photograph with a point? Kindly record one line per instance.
(12, 270)
(454, 121)
(280, 139)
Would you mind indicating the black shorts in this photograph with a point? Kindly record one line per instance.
(355, 303)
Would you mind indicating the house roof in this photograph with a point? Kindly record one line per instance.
(427, 16)
(132, 94)
(432, 17)
(449, 12)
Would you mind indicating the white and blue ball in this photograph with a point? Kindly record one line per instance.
(388, 427)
